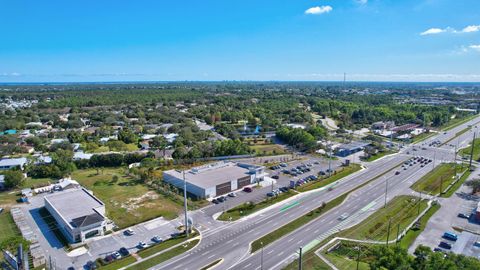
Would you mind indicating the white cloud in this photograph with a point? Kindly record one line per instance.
(471, 28)
(318, 10)
(475, 47)
(434, 31)
(361, 2)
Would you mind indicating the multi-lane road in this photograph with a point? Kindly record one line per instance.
(231, 241)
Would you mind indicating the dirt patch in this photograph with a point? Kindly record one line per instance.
(134, 203)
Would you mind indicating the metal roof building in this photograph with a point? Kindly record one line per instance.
(215, 179)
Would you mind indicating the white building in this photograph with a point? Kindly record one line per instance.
(216, 179)
(13, 163)
(78, 213)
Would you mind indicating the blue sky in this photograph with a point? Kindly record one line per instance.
(370, 40)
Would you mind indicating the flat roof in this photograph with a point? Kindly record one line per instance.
(213, 174)
(74, 203)
(353, 145)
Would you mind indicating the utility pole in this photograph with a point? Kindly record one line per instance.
(330, 161)
(261, 259)
(300, 259)
(441, 183)
(185, 203)
(471, 152)
(398, 233)
(358, 256)
(386, 191)
(388, 231)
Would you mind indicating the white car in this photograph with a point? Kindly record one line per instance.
(142, 244)
(116, 255)
(157, 239)
(129, 232)
(343, 216)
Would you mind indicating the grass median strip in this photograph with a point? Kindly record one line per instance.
(468, 150)
(384, 223)
(438, 179)
(380, 155)
(290, 227)
(250, 207)
(123, 262)
(297, 223)
(345, 171)
(457, 184)
(211, 265)
(164, 256)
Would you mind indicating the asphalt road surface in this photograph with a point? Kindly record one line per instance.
(231, 241)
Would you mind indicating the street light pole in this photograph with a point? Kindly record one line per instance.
(261, 261)
(300, 260)
(185, 203)
(386, 192)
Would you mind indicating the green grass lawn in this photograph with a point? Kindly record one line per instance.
(476, 150)
(338, 174)
(164, 256)
(438, 179)
(267, 149)
(249, 208)
(37, 182)
(380, 155)
(344, 263)
(7, 226)
(127, 201)
(9, 198)
(412, 234)
(117, 264)
(454, 188)
(402, 210)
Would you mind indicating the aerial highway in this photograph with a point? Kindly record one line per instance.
(231, 241)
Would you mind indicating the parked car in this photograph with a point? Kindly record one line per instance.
(221, 199)
(445, 245)
(129, 232)
(270, 194)
(215, 201)
(397, 172)
(450, 236)
(247, 189)
(157, 239)
(231, 194)
(90, 265)
(462, 215)
(124, 251)
(116, 255)
(142, 244)
(275, 176)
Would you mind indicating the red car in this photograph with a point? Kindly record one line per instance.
(248, 189)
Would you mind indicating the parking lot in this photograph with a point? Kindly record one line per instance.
(259, 194)
(456, 215)
(97, 247)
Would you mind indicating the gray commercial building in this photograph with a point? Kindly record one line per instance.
(216, 179)
(78, 213)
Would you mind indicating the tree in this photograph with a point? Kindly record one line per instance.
(159, 142)
(13, 178)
